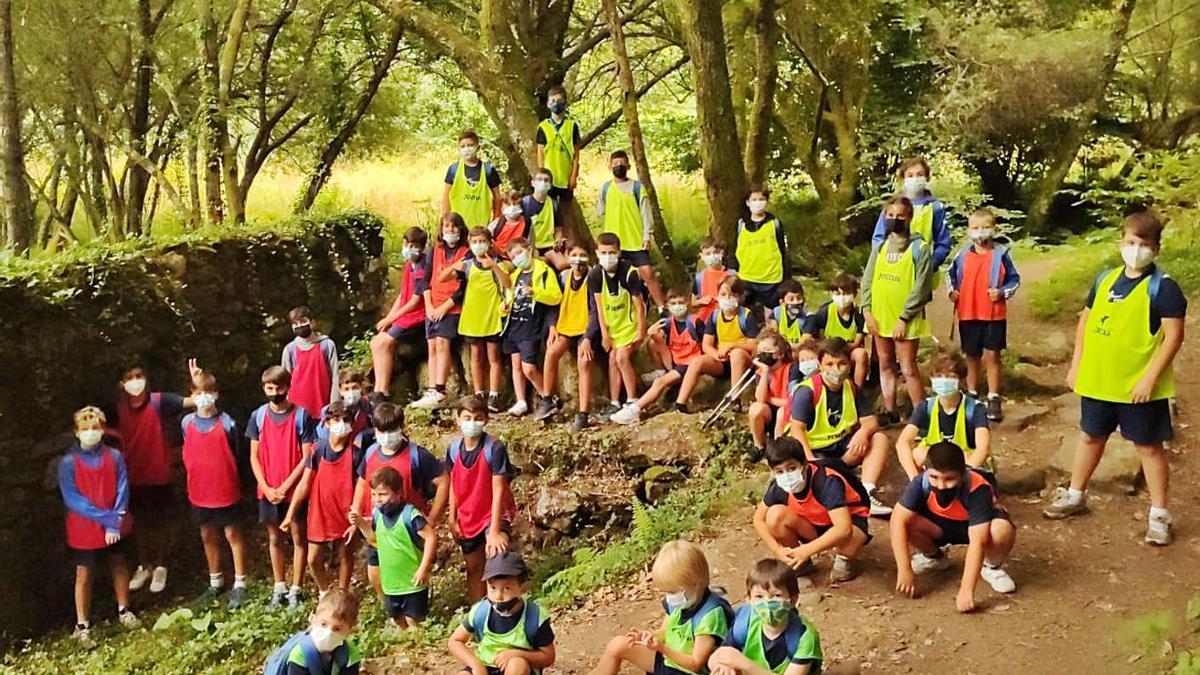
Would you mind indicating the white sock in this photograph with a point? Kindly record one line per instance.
(216, 580)
(295, 590)
(493, 394)
(1160, 514)
(992, 395)
(1074, 495)
(280, 587)
(239, 581)
(870, 487)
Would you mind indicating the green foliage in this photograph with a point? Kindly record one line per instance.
(1064, 292)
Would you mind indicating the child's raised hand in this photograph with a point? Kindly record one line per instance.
(965, 601)
(194, 368)
(111, 538)
(485, 261)
(906, 584)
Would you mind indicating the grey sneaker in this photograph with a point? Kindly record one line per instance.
(994, 411)
(878, 508)
(83, 635)
(278, 600)
(843, 569)
(128, 619)
(543, 409)
(431, 399)
(1158, 532)
(236, 597)
(1064, 507)
(608, 411)
(294, 599)
(923, 564)
(582, 421)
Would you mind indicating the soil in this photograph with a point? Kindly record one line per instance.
(1079, 581)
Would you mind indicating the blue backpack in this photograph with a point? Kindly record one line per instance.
(741, 629)
(277, 662)
(714, 601)
(456, 448)
(533, 619)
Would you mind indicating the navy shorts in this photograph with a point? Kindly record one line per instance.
(88, 557)
(151, 502)
(372, 556)
(835, 451)
(476, 543)
(528, 349)
(1146, 423)
(954, 532)
(485, 340)
(763, 295)
(857, 521)
(682, 370)
(273, 514)
(977, 336)
(447, 328)
(636, 258)
(218, 517)
(411, 334)
(661, 667)
(562, 194)
(413, 605)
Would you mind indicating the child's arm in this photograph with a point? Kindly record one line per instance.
(459, 650)
(868, 277)
(495, 197)
(1012, 278)
(452, 511)
(1172, 341)
(708, 345)
(446, 199)
(441, 498)
(360, 491)
(1077, 356)
(639, 305)
(332, 359)
(503, 278)
(451, 270)
(495, 541)
(762, 390)
(364, 525)
(983, 447)
(429, 536)
(702, 649)
(838, 533)
(306, 450)
(904, 450)
(298, 498)
(906, 582)
(257, 470)
(977, 538)
(74, 500)
(598, 299)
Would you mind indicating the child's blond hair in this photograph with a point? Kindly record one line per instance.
(89, 416)
(342, 604)
(682, 565)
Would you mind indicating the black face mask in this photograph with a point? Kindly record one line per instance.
(620, 171)
(391, 508)
(277, 399)
(897, 226)
(768, 359)
(557, 107)
(302, 331)
(945, 496)
(507, 606)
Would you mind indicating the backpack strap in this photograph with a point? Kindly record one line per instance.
(715, 601)
(996, 267)
(312, 657)
(414, 459)
(489, 444)
(818, 387)
(479, 617)
(699, 282)
(741, 628)
(260, 417)
(1154, 283)
(604, 191)
(456, 446)
(792, 634)
(915, 247)
(532, 621)
(637, 192)
(743, 319)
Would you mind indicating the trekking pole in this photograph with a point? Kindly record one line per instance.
(735, 392)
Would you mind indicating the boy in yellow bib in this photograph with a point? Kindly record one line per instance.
(625, 212)
(949, 415)
(535, 290)
(617, 296)
(760, 252)
(472, 185)
(571, 327)
(1126, 342)
(896, 288)
(841, 317)
(546, 220)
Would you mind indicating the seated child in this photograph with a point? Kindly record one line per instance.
(510, 226)
(568, 326)
(728, 345)
(708, 279)
(328, 487)
(545, 221)
(618, 296)
(405, 321)
(950, 504)
(95, 491)
(831, 419)
(789, 317)
(325, 648)
(535, 289)
(443, 308)
(312, 360)
(841, 318)
(960, 419)
(777, 375)
(807, 357)
(405, 543)
(210, 451)
(768, 634)
(680, 336)
(812, 507)
(481, 500)
(697, 619)
(512, 634)
(350, 392)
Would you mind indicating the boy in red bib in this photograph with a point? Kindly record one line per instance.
(281, 435)
(481, 501)
(510, 226)
(405, 321)
(95, 490)
(777, 376)
(351, 384)
(328, 487)
(708, 280)
(312, 360)
(210, 443)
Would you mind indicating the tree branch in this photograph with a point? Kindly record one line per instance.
(615, 115)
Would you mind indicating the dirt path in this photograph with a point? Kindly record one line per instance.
(1078, 582)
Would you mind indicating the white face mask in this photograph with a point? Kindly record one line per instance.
(478, 249)
(512, 212)
(757, 206)
(980, 236)
(790, 481)
(135, 387)
(678, 311)
(808, 366)
(541, 187)
(522, 261)
(944, 386)
(204, 400)
(410, 253)
(471, 428)
(842, 301)
(608, 261)
(727, 304)
(340, 428)
(351, 398)
(89, 438)
(712, 259)
(325, 639)
(579, 261)
(388, 439)
(1137, 256)
(468, 151)
(914, 186)
(832, 377)
(678, 600)
(451, 238)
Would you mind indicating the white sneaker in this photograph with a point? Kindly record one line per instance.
(429, 400)
(878, 508)
(83, 635)
(140, 576)
(1064, 506)
(630, 414)
(519, 409)
(998, 579)
(1158, 532)
(159, 580)
(922, 563)
(129, 620)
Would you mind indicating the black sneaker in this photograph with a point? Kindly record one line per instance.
(493, 404)
(582, 421)
(994, 411)
(888, 419)
(608, 411)
(543, 409)
(682, 409)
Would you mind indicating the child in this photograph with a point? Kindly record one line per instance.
(350, 388)
(760, 251)
(312, 360)
(405, 543)
(95, 490)
(708, 279)
(281, 435)
(789, 316)
(558, 141)
(981, 279)
(617, 295)
(627, 215)
(807, 356)
(481, 501)
(511, 225)
(541, 210)
(680, 336)
(768, 634)
(210, 444)
(831, 419)
(728, 343)
(511, 634)
(484, 285)
(567, 328)
(697, 619)
(424, 481)
(535, 289)
(325, 648)
(443, 307)
(328, 488)
(929, 215)
(810, 507)
(896, 287)
(950, 504)
(776, 378)
(472, 185)
(1125, 345)
(960, 419)
(145, 427)
(404, 321)
(841, 318)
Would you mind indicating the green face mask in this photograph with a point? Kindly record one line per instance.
(771, 611)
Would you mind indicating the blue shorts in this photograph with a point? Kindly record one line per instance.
(835, 451)
(471, 544)
(1146, 423)
(763, 295)
(413, 605)
(976, 336)
(410, 334)
(527, 348)
(955, 532)
(219, 517)
(636, 258)
(447, 328)
(273, 514)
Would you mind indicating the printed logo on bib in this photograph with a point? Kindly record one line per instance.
(888, 276)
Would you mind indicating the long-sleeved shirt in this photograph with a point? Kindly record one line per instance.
(922, 291)
(941, 233)
(1010, 280)
(109, 519)
(752, 225)
(328, 351)
(627, 186)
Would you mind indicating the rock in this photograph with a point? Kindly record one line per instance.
(1021, 481)
(1120, 468)
(670, 438)
(556, 509)
(1021, 416)
(660, 480)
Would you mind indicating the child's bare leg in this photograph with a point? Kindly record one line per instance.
(628, 373)
(298, 553)
(517, 666)
(906, 352)
(119, 569)
(1002, 537)
(442, 371)
(584, 366)
(701, 365)
(731, 659)
(1157, 473)
(346, 563)
(659, 349)
(557, 349)
(1087, 458)
(479, 367)
(237, 546)
(518, 377)
(620, 650)
(210, 535)
(788, 528)
(614, 377)
(373, 577)
(991, 362)
(277, 554)
(862, 365)
(383, 349)
(781, 422)
(317, 566)
(657, 388)
(476, 589)
(972, 373)
(652, 285)
(876, 460)
(922, 535)
(852, 547)
(532, 373)
(83, 592)
(758, 417)
(496, 366)
(885, 350)
(739, 361)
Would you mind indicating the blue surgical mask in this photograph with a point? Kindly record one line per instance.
(479, 249)
(944, 386)
(808, 366)
(471, 428)
(522, 261)
(678, 600)
(914, 186)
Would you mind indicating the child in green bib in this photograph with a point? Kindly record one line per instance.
(841, 317)
(768, 634)
(949, 415)
(406, 543)
(472, 186)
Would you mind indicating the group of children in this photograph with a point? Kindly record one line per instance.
(334, 467)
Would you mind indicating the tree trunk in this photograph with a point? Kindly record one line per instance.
(213, 125)
(139, 127)
(724, 173)
(14, 191)
(1048, 186)
(996, 181)
(766, 77)
(234, 195)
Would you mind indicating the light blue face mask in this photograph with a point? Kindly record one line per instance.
(471, 428)
(522, 261)
(944, 386)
